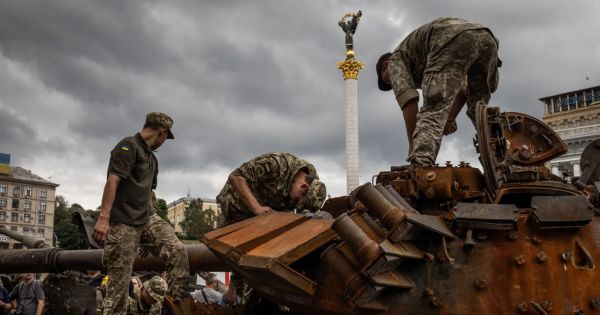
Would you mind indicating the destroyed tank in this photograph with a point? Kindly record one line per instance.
(418, 240)
(440, 239)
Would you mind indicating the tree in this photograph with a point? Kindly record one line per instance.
(68, 234)
(196, 221)
(160, 205)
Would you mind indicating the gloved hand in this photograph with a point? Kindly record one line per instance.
(450, 127)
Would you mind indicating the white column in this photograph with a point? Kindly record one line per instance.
(555, 170)
(351, 134)
(576, 169)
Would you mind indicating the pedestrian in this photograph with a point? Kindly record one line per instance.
(127, 218)
(438, 58)
(27, 297)
(4, 298)
(209, 294)
(271, 182)
(148, 297)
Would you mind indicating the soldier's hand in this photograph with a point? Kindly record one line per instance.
(262, 210)
(450, 127)
(100, 233)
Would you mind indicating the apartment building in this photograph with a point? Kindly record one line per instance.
(26, 205)
(176, 209)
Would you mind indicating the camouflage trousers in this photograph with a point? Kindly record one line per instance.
(120, 250)
(473, 54)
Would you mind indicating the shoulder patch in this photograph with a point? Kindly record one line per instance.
(125, 148)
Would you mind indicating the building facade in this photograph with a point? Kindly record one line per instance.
(575, 116)
(176, 210)
(26, 205)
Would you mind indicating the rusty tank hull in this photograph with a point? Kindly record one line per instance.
(440, 239)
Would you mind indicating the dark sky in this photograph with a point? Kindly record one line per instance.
(245, 77)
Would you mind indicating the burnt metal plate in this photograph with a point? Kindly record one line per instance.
(432, 223)
(561, 211)
(486, 216)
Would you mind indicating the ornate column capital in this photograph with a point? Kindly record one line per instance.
(350, 67)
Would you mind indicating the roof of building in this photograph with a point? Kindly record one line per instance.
(20, 174)
(570, 92)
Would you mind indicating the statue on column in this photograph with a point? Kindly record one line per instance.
(348, 23)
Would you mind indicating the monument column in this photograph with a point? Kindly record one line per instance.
(350, 68)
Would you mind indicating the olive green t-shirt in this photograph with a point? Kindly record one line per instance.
(133, 161)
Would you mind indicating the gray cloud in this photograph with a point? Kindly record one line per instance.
(242, 78)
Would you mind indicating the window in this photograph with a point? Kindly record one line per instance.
(28, 192)
(14, 217)
(15, 204)
(3, 202)
(17, 191)
(13, 228)
(27, 206)
(41, 231)
(25, 229)
(27, 218)
(3, 189)
(42, 194)
(2, 216)
(42, 206)
(41, 219)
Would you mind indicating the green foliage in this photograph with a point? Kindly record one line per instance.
(196, 221)
(68, 234)
(160, 205)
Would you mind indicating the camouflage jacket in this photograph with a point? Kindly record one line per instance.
(269, 177)
(428, 40)
(136, 307)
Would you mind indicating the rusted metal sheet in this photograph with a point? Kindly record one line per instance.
(485, 216)
(590, 164)
(561, 211)
(513, 147)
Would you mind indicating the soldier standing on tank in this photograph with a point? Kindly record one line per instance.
(438, 57)
(127, 218)
(273, 181)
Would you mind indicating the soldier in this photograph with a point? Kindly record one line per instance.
(272, 181)
(127, 217)
(149, 297)
(437, 57)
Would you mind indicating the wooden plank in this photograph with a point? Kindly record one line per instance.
(236, 226)
(291, 239)
(261, 231)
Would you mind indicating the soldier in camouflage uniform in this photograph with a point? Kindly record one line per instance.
(272, 181)
(127, 218)
(149, 297)
(438, 57)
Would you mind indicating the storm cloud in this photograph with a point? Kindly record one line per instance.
(241, 78)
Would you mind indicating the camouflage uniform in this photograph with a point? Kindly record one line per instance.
(269, 177)
(156, 288)
(436, 57)
(133, 222)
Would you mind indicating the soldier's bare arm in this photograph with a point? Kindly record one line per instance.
(100, 233)
(240, 185)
